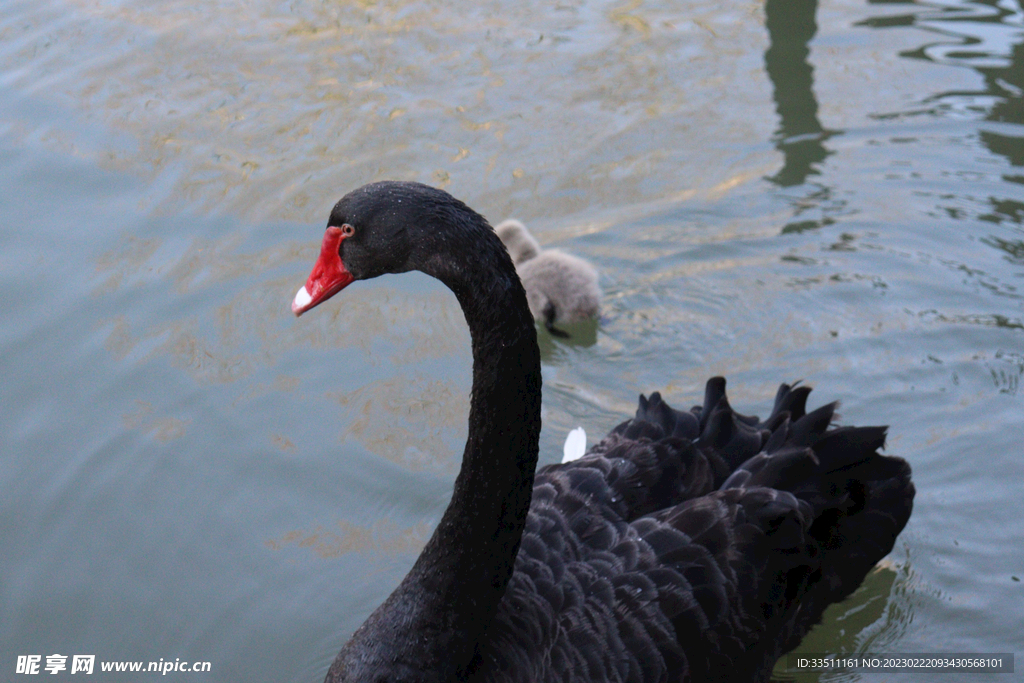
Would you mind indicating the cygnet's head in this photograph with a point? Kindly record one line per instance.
(519, 242)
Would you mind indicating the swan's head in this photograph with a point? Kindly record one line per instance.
(392, 227)
(518, 240)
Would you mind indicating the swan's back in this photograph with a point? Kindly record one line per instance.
(695, 545)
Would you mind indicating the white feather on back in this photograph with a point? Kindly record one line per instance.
(575, 445)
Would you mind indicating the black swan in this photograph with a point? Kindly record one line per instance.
(560, 287)
(698, 545)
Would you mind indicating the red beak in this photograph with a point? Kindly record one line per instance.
(329, 275)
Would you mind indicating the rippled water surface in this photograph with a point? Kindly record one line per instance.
(826, 191)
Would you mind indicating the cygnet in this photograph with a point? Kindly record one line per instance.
(560, 287)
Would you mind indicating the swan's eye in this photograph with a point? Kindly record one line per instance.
(347, 230)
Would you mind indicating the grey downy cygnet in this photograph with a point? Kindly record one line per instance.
(560, 287)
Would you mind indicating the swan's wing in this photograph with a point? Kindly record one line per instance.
(559, 619)
(765, 557)
(671, 596)
(729, 578)
(663, 456)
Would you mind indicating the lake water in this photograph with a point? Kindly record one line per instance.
(830, 192)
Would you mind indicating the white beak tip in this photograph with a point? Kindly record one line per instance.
(301, 301)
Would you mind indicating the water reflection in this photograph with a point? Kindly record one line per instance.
(987, 36)
(1014, 248)
(414, 422)
(867, 621)
(1008, 84)
(800, 136)
(382, 536)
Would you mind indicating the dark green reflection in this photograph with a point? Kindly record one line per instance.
(852, 624)
(1008, 84)
(791, 27)
(981, 47)
(984, 39)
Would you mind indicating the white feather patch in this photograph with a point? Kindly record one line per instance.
(575, 445)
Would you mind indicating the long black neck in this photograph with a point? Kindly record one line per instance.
(429, 627)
